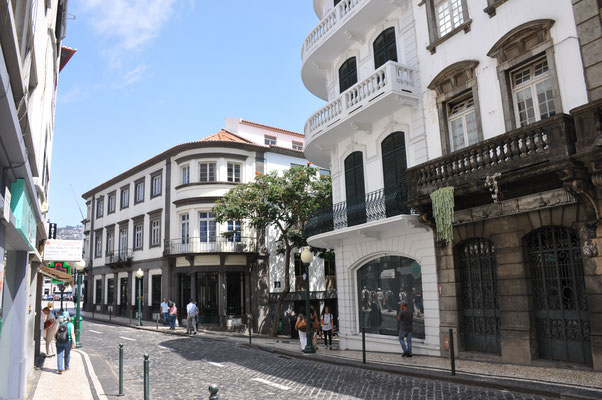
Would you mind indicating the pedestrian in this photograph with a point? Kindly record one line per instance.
(191, 311)
(64, 341)
(315, 324)
(404, 320)
(173, 314)
(165, 312)
(301, 327)
(327, 327)
(48, 326)
(292, 317)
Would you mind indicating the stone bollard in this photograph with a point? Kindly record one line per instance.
(213, 389)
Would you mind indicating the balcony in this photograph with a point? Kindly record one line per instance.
(386, 91)
(531, 155)
(119, 258)
(371, 207)
(348, 22)
(194, 245)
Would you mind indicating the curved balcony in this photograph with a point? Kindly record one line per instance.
(348, 22)
(205, 245)
(387, 90)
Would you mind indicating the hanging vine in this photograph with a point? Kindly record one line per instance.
(443, 212)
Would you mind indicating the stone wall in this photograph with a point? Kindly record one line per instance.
(588, 18)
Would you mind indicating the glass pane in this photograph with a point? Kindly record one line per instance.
(524, 102)
(471, 128)
(457, 14)
(545, 99)
(444, 18)
(541, 68)
(457, 134)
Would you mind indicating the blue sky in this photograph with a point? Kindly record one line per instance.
(149, 74)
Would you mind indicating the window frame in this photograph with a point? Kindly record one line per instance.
(98, 243)
(111, 196)
(185, 240)
(151, 243)
(232, 226)
(531, 84)
(384, 49)
(348, 74)
(155, 175)
(461, 115)
(185, 167)
(100, 205)
(435, 37)
(232, 179)
(208, 163)
(124, 192)
(207, 232)
(111, 235)
(298, 146)
(138, 242)
(140, 183)
(268, 139)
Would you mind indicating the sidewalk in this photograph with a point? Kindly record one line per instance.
(548, 381)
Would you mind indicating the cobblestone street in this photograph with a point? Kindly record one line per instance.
(183, 368)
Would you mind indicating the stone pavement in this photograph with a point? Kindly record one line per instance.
(581, 383)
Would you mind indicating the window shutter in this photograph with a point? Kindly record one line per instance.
(395, 173)
(354, 188)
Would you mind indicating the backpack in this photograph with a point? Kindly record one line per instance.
(62, 334)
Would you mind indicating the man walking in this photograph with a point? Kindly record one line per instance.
(192, 311)
(404, 319)
(165, 312)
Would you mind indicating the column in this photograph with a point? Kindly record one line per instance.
(449, 293)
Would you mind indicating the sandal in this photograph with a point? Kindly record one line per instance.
(60, 371)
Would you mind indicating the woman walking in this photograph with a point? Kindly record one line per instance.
(49, 326)
(327, 327)
(64, 337)
(301, 326)
(173, 314)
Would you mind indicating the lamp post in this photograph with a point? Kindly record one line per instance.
(139, 275)
(79, 267)
(306, 258)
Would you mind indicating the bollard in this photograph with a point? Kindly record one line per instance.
(452, 352)
(363, 345)
(120, 369)
(93, 307)
(146, 378)
(110, 313)
(250, 327)
(130, 317)
(213, 389)
(157, 322)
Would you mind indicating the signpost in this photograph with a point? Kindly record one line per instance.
(63, 250)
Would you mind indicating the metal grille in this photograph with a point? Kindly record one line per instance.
(480, 306)
(559, 298)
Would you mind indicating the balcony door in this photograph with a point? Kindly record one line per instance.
(208, 301)
(354, 189)
(207, 232)
(123, 243)
(123, 296)
(395, 173)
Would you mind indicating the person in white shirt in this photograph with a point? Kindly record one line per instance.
(192, 311)
(327, 326)
(165, 312)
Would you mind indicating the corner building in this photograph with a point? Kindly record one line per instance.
(362, 60)
(157, 217)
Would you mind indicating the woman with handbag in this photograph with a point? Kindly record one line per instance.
(327, 327)
(315, 325)
(49, 325)
(301, 326)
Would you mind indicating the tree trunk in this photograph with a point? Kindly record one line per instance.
(285, 292)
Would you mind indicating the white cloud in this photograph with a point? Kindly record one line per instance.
(134, 75)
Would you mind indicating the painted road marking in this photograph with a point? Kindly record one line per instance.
(165, 348)
(127, 338)
(214, 363)
(276, 385)
(94, 331)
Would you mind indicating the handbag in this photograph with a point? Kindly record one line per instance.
(47, 324)
(302, 324)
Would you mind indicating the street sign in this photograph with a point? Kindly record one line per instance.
(51, 231)
(63, 250)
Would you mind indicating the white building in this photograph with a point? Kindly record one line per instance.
(30, 58)
(362, 58)
(157, 216)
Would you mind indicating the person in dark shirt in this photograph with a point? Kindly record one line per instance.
(404, 319)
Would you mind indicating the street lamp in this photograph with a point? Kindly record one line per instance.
(139, 275)
(306, 258)
(79, 267)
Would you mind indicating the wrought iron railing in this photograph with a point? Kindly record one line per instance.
(118, 256)
(373, 206)
(217, 244)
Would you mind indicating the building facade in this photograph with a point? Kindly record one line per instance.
(362, 60)
(157, 217)
(511, 132)
(30, 57)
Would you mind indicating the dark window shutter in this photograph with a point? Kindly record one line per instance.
(347, 74)
(355, 189)
(395, 173)
(385, 48)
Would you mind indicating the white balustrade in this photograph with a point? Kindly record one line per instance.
(325, 116)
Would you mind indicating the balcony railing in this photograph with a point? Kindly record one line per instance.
(373, 206)
(330, 22)
(391, 77)
(194, 245)
(120, 256)
(520, 151)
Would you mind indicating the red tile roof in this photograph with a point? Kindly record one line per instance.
(242, 121)
(225, 136)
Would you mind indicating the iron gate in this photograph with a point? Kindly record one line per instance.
(560, 303)
(480, 306)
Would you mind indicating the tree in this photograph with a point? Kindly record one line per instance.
(283, 201)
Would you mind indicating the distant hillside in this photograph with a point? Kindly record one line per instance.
(70, 232)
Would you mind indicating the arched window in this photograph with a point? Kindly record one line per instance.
(385, 48)
(347, 74)
(382, 284)
(354, 189)
(394, 173)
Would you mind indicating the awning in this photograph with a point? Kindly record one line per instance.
(55, 274)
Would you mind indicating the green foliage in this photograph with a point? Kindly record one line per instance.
(443, 212)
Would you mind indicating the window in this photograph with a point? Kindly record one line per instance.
(111, 203)
(185, 175)
(98, 291)
(156, 185)
(330, 273)
(348, 73)
(207, 172)
(207, 227)
(532, 92)
(125, 197)
(99, 207)
(139, 190)
(270, 140)
(138, 236)
(299, 271)
(462, 124)
(98, 244)
(155, 233)
(110, 290)
(297, 146)
(123, 240)
(110, 241)
(449, 14)
(233, 172)
(354, 189)
(395, 173)
(234, 226)
(184, 227)
(385, 48)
